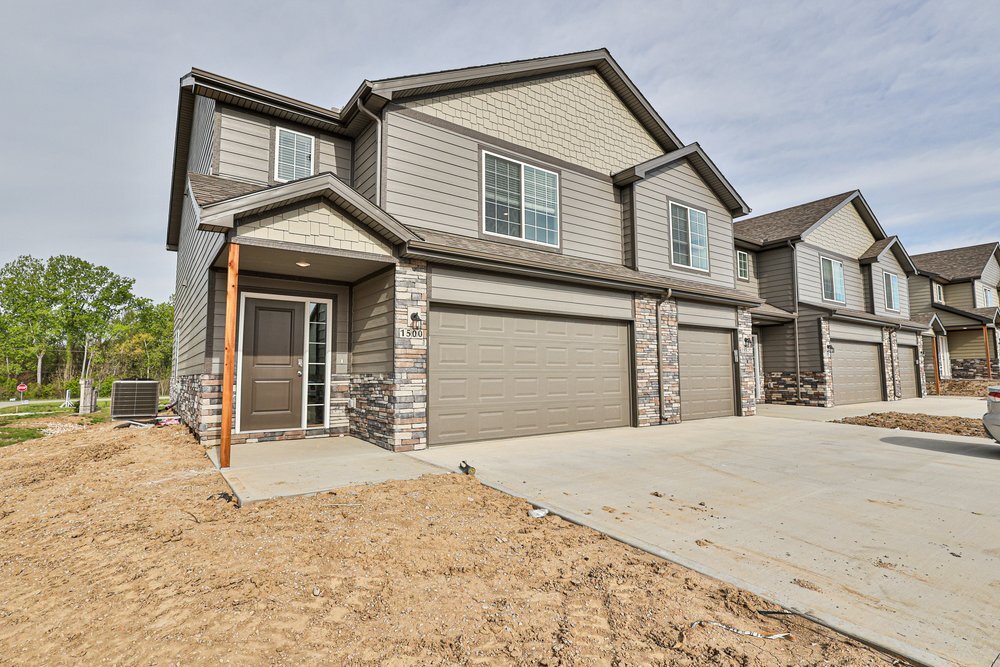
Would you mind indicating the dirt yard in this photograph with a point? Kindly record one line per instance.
(123, 546)
(975, 388)
(924, 423)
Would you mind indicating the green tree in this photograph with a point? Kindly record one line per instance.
(28, 307)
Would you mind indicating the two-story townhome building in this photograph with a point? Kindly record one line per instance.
(496, 251)
(835, 326)
(959, 288)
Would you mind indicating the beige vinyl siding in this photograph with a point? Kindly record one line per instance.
(968, 344)
(855, 332)
(918, 290)
(949, 319)
(433, 180)
(889, 263)
(366, 162)
(811, 281)
(680, 183)
(750, 286)
(775, 271)
(628, 232)
(316, 224)
(494, 290)
(960, 295)
(777, 345)
(844, 233)
(268, 285)
(195, 252)
(706, 315)
(333, 154)
(907, 338)
(810, 354)
(574, 116)
(372, 318)
(990, 280)
(244, 146)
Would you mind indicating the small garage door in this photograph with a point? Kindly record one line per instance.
(708, 386)
(857, 372)
(908, 371)
(498, 374)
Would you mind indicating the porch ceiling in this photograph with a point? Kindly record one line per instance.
(282, 263)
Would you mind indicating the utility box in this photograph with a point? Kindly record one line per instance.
(135, 399)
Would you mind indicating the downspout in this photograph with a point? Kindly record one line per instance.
(795, 322)
(378, 150)
(659, 352)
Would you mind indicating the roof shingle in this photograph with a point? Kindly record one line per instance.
(788, 223)
(213, 189)
(956, 264)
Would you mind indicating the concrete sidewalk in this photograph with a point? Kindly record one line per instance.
(266, 470)
(887, 535)
(944, 406)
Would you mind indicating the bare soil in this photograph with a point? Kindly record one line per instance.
(976, 388)
(124, 546)
(925, 423)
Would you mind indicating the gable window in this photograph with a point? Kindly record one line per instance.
(742, 265)
(988, 301)
(293, 155)
(833, 279)
(688, 237)
(520, 201)
(890, 285)
(939, 292)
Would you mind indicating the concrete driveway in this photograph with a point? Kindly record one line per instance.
(943, 406)
(889, 535)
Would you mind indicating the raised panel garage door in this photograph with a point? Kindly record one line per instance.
(857, 372)
(497, 375)
(708, 387)
(908, 371)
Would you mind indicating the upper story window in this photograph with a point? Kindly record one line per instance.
(742, 265)
(688, 237)
(833, 279)
(294, 155)
(890, 285)
(938, 292)
(520, 201)
(988, 299)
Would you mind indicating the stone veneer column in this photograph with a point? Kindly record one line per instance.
(822, 395)
(409, 394)
(921, 377)
(647, 387)
(670, 364)
(890, 362)
(748, 375)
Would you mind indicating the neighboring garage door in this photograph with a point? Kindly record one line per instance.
(498, 374)
(708, 387)
(857, 372)
(908, 371)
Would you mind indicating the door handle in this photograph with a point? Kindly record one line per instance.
(299, 373)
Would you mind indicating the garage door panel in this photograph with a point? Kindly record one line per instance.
(707, 384)
(857, 372)
(544, 374)
(908, 371)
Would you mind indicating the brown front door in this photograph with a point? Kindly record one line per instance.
(271, 362)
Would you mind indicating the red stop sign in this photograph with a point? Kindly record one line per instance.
(22, 387)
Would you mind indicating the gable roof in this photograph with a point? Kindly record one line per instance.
(957, 264)
(702, 164)
(789, 223)
(882, 246)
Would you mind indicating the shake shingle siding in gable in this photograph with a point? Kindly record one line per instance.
(574, 116)
(844, 233)
(680, 183)
(433, 181)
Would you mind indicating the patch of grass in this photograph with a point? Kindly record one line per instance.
(99, 417)
(10, 435)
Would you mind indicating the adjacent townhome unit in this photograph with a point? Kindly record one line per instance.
(497, 251)
(959, 287)
(835, 325)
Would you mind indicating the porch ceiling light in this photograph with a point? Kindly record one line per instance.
(302, 263)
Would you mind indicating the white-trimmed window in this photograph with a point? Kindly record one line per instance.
(688, 237)
(890, 285)
(938, 292)
(520, 201)
(988, 298)
(293, 155)
(742, 265)
(833, 279)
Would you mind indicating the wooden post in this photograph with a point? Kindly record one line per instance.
(937, 367)
(229, 359)
(989, 362)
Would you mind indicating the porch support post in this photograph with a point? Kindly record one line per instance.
(937, 368)
(986, 344)
(229, 359)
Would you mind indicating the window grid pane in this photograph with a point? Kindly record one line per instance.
(743, 265)
(699, 239)
(541, 206)
(679, 235)
(294, 156)
(503, 197)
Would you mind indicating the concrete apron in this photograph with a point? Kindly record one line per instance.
(882, 535)
(941, 406)
(267, 470)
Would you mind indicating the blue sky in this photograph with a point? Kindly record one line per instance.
(793, 100)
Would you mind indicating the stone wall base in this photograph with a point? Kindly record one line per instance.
(973, 369)
(781, 388)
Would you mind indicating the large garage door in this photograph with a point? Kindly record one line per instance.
(708, 388)
(497, 375)
(908, 371)
(857, 372)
